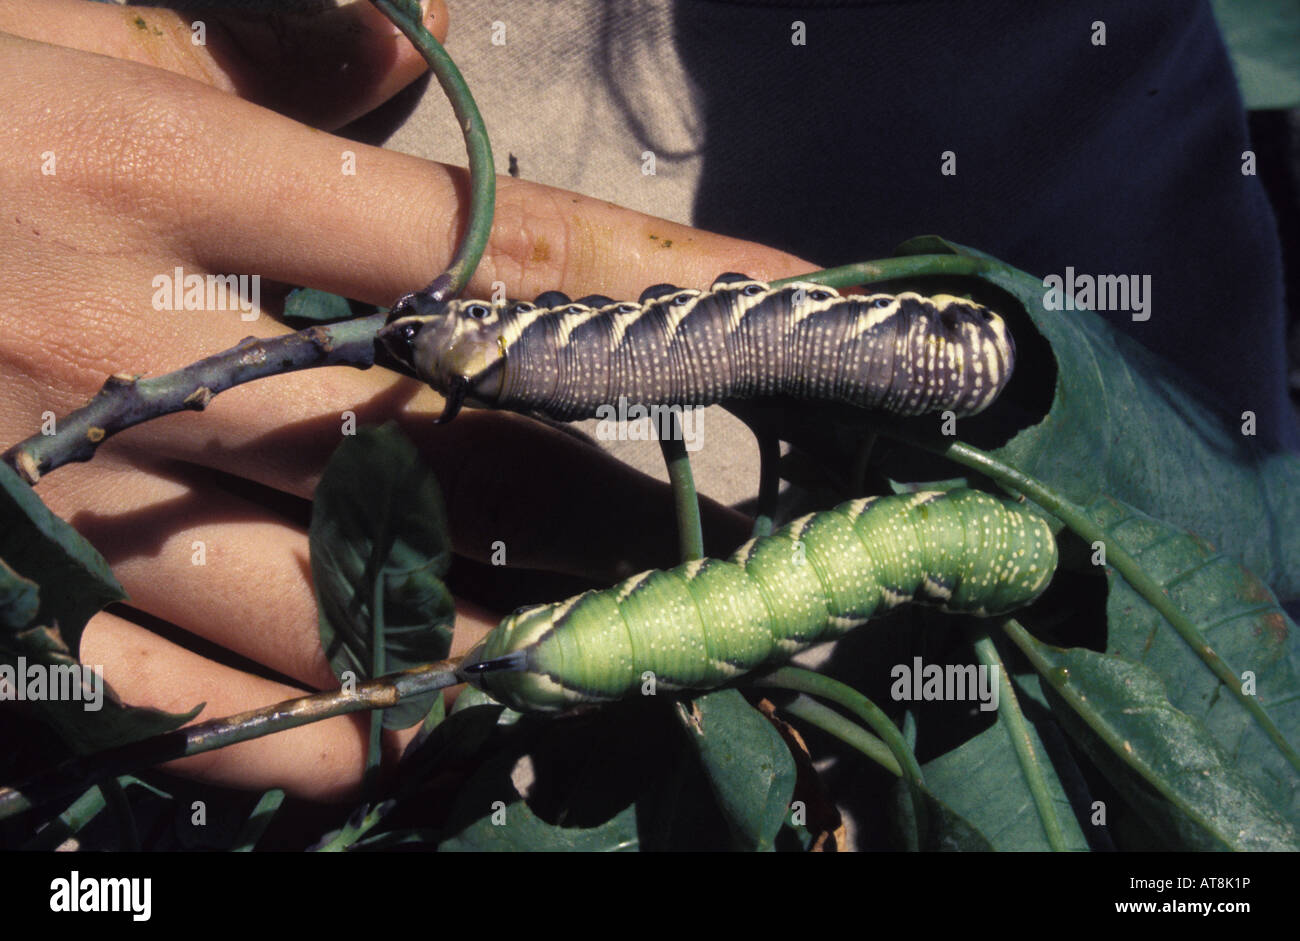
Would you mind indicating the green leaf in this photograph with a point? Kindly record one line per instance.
(85, 712)
(747, 764)
(578, 768)
(69, 823)
(257, 822)
(1238, 617)
(513, 827)
(1165, 763)
(1125, 422)
(50, 575)
(618, 778)
(946, 830)
(981, 782)
(311, 306)
(19, 599)
(1263, 38)
(44, 549)
(378, 517)
(465, 732)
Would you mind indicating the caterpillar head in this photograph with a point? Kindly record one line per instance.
(988, 338)
(963, 352)
(456, 347)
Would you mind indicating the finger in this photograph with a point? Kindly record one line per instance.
(321, 761)
(325, 69)
(233, 570)
(233, 187)
(210, 562)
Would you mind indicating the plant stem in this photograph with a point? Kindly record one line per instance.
(354, 831)
(806, 681)
(258, 821)
(846, 730)
(378, 666)
(127, 400)
(769, 481)
(887, 269)
(115, 797)
(686, 505)
(482, 171)
(1023, 743)
(77, 773)
(64, 827)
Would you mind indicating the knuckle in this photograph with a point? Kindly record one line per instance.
(530, 248)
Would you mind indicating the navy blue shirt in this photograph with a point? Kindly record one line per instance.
(1115, 159)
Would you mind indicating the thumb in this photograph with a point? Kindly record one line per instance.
(325, 69)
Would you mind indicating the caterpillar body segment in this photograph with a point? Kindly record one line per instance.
(708, 622)
(905, 353)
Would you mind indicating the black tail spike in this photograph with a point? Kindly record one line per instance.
(514, 662)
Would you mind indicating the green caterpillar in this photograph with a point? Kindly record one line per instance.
(707, 622)
(904, 353)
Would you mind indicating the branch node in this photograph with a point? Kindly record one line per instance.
(94, 434)
(323, 339)
(28, 467)
(198, 399)
(120, 379)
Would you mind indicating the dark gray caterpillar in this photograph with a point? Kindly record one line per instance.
(707, 622)
(904, 353)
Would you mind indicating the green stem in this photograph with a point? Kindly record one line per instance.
(378, 666)
(1117, 557)
(1022, 741)
(406, 15)
(69, 823)
(351, 832)
(686, 505)
(862, 464)
(846, 730)
(394, 839)
(115, 796)
(806, 681)
(259, 820)
(769, 481)
(887, 269)
(77, 773)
